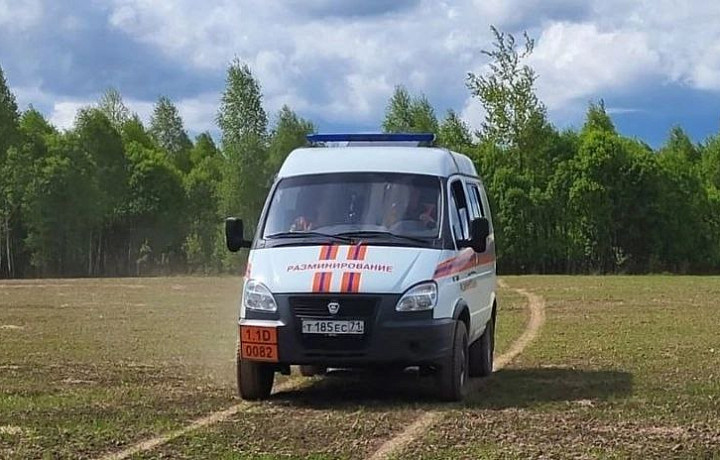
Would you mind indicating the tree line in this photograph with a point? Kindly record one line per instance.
(113, 197)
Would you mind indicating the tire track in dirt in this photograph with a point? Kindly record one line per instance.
(536, 304)
(394, 445)
(211, 419)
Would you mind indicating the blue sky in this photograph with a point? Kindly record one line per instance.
(655, 63)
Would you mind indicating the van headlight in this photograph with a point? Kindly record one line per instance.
(256, 296)
(419, 298)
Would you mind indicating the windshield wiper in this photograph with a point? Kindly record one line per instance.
(341, 238)
(378, 233)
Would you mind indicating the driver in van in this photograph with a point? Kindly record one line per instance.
(305, 215)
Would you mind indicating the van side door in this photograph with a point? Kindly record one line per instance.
(484, 269)
(464, 275)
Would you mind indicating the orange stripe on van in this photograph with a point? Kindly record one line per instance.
(465, 260)
(328, 252)
(350, 282)
(357, 252)
(322, 282)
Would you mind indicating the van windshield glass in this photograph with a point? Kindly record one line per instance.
(384, 203)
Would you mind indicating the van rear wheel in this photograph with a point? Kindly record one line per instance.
(481, 352)
(255, 380)
(452, 375)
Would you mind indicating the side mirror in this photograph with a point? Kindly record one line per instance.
(479, 232)
(234, 237)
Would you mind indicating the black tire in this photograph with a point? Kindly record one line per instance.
(308, 370)
(482, 351)
(255, 380)
(452, 375)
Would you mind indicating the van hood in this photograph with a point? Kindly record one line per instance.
(342, 269)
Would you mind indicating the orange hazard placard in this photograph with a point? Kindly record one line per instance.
(258, 343)
(259, 352)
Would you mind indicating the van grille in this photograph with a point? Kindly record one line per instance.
(350, 307)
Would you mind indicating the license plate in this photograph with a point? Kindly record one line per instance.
(258, 343)
(333, 327)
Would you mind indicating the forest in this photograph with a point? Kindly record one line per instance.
(114, 197)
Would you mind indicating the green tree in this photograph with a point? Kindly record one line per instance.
(423, 116)
(204, 148)
(241, 112)
(244, 187)
(597, 119)
(454, 133)
(202, 190)
(513, 111)
(155, 211)
(59, 207)
(406, 114)
(9, 127)
(111, 104)
(243, 124)
(685, 206)
(288, 134)
(9, 116)
(134, 131)
(398, 113)
(680, 143)
(103, 144)
(202, 193)
(166, 128)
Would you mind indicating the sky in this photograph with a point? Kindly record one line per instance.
(654, 63)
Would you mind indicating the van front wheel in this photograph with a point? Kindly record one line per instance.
(255, 380)
(481, 352)
(452, 377)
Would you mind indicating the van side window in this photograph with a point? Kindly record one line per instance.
(475, 201)
(461, 224)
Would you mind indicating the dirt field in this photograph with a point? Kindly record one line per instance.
(623, 367)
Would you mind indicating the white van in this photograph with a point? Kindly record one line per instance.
(371, 251)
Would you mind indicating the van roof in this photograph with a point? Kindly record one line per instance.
(410, 160)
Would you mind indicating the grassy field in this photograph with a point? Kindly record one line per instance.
(624, 367)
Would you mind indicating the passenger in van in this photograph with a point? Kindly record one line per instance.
(413, 206)
(429, 214)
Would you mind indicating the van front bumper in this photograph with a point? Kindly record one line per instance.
(400, 338)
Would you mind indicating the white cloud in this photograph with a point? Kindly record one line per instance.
(64, 112)
(337, 61)
(344, 68)
(143, 109)
(583, 50)
(20, 14)
(706, 75)
(473, 113)
(577, 61)
(198, 113)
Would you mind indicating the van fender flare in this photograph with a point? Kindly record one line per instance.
(461, 311)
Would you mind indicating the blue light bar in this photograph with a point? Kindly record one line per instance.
(419, 138)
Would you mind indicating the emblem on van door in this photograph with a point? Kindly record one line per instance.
(333, 308)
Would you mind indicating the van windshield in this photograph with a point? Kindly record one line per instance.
(389, 204)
